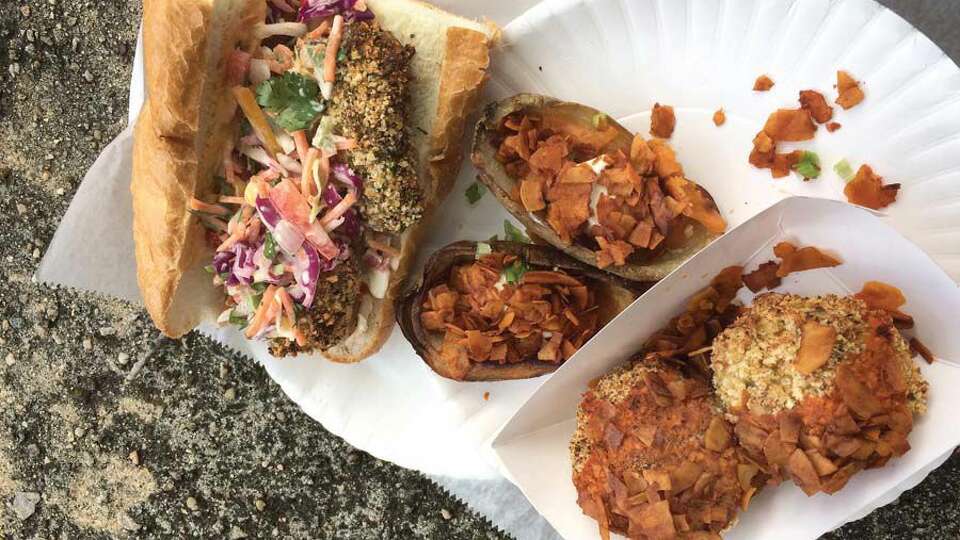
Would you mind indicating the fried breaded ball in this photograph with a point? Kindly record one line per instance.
(819, 388)
(654, 459)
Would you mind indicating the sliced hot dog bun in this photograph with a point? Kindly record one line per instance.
(179, 141)
(449, 69)
(188, 121)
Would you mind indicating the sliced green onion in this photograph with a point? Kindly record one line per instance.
(209, 269)
(475, 192)
(513, 234)
(483, 248)
(843, 169)
(259, 287)
(600, 121)
(237, 319)
(278, 269)
(515, 271)
(809, 165)
(269, 247)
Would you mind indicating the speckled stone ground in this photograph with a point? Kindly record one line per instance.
(108, 431)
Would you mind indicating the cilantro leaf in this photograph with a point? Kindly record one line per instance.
(809, 165)
(292, 100)
(513, 234)
(515, 271)
(475, 192)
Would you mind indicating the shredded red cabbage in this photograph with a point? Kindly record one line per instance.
(288, 237)
(223, 261)
(243, 266)
(306, 272)
(314, 9)
(346, 175)
(268, 212)
(330, 196)
(351, 224)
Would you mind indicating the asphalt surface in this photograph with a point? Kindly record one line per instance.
(109, 431)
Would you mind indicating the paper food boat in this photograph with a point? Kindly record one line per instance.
(532, 446)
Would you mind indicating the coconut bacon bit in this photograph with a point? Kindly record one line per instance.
(816, 105)
(848, 88)
(763, 84)
(791, 125)
(719, 118)
(867, 189)
(662, 121)
(490, 312)
(620, 206)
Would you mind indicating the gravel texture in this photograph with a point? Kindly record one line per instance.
(109, 431)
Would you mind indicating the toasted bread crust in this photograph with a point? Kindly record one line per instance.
(174, 36)
(460, 85)
(182, 131)
(177, 147)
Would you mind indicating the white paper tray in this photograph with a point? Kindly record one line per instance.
(532, 446)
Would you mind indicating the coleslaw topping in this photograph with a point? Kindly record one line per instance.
(287, 211)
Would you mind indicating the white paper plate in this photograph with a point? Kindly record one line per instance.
(697, 55)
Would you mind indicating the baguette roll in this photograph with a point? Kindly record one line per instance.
(191, 119)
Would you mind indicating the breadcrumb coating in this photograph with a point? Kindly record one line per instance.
(754, 358)
(370, 103)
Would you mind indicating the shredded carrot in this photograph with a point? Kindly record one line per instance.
(245, 214)
(232, 200)
(230, 241)
(303, 153)
(260, 316)
(258, 119)
(384, 248)
(320, 31)
(300, 139)
(341, 208)
(333, 46)
(200, 206)
(253, 231)
(287, 303)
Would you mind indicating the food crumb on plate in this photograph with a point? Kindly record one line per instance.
(763, 84)
(848, 88)
(719, 118)
(662, 121)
